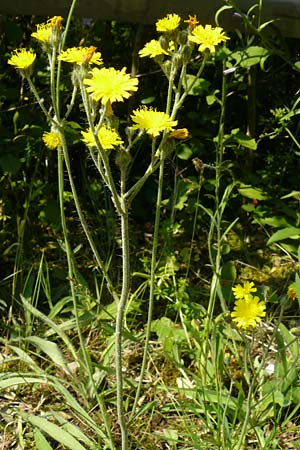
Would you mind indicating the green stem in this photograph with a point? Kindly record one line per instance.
(40, 101)
(62, 44)
(154, 247)
(152, 286)
(120, 313)
(71, 273)
(83, 222)
(179, 103)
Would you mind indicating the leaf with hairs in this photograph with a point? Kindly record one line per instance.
(53, 430)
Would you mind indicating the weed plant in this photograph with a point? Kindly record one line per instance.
(173, 348)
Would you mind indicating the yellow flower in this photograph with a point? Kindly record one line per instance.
(207, 37)
(81, 55)
(107, 136)
(152, 49)
(43, 33)
(248, 312)
(180, 133)
(49, 31)
(291, 293)
(22, 59)
(51, 140)
(110, 84)
(169, 23)
(152, 121)
(244, 291)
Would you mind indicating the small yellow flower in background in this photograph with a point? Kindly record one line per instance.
(22, 59)
(180, 133)
(110, 84)
(207, 37)
(152, 49)
(248, 312)
(291, 293)
(51, 140)
(169, 23)
(192, 22)
(244, 291)
(107, 136)
(152, 121)
(81, 55)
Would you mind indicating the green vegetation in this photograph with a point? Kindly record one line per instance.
(150, 227)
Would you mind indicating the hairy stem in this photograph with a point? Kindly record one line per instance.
(120, 314)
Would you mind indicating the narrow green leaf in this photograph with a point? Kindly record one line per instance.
(53, 430)
(51, 349)
(9, 380)
(72, 429)
(40, 441)
(285, 233)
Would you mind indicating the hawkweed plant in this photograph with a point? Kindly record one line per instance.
(100, 88)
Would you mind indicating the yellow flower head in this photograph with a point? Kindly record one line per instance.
(107, 136)
(207, 37)
(51, 140)
(22, 59)
(49, 31)
(244, 291)
(192, 22)
(152, 49)
(43, 33)
(152, 121)
(81, 55)
(168, 24)
(110, 84)
(248, 312)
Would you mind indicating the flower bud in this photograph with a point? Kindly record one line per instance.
(123, 158)
(186, 53)
(182, 37)
(164, 42)
(180, 133)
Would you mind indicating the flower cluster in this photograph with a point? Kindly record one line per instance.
(249, 309)
(206, 37)
(109, 85)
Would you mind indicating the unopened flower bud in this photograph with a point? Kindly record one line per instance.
(186, 53)
(182, 37)
(180, 133)
(178, 60)
(164, 42)
(123, 159)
